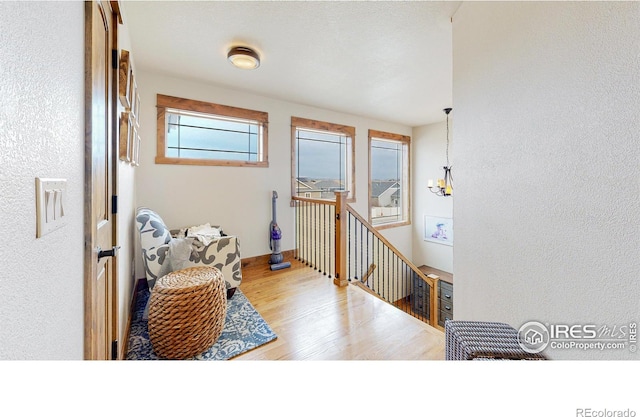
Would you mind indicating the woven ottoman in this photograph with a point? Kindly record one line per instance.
(482, 340)
(187, 310)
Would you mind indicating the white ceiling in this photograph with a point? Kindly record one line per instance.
(385, 60)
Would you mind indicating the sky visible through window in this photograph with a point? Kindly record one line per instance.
(386, 160)
(322, 156)
(210, 138)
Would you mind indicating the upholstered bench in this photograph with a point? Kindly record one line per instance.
(187, 310)
(481, 340)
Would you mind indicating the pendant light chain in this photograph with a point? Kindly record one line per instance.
(447, 139)
(444, 187)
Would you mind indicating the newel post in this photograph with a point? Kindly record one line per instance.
(341, 239)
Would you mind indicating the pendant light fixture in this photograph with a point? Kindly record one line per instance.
(243, 57)
(444, 186)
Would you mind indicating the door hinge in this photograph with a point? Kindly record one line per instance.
(114, 58)
(114, 350)
(114, 204)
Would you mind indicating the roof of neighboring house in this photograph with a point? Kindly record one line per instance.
(378, 187)
(302, 184)
(319, 184)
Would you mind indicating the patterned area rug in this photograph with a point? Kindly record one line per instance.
(244, 330)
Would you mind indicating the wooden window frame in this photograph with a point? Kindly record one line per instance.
(350, 131)
(406, 177)
(167, 102)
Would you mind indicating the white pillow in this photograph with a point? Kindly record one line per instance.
(204, 230)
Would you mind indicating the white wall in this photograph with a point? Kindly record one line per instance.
(239, 198)
(429, 156)
(547, 211)
(42, 135)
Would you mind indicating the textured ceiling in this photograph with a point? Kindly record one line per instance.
(384, 60)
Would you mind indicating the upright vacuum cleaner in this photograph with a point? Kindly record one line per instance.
(275, 234)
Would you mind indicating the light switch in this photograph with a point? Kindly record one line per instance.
(50, 200)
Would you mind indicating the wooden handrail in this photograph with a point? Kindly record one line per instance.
(314, 200)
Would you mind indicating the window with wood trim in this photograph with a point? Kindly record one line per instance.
(322, 159)
(194, 132)
(389, 170)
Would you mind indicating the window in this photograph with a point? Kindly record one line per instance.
(388, 179)
(322, 159)
(199, 133)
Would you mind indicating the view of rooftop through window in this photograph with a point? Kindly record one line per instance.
(389, 178)
(322, 163)
(386, 181)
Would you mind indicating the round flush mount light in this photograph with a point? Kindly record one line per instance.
(243, 57)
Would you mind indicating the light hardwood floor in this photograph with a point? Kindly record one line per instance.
(316, 320)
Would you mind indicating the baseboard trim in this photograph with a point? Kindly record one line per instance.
(262, 260)
(134, 296)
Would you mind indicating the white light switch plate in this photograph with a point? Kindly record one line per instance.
(51, 196)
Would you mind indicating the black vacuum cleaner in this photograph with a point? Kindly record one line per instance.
(275, 234)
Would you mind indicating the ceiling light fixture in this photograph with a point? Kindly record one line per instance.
(243, 57)
(444, 187)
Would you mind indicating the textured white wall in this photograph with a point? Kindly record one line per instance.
(42, 135)
(429, 156)
(239, 198)
(547, 211)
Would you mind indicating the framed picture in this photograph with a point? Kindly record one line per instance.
(125, 131)
(124, 86)
(131, 141)
(136, 152)
(132, 90)
(135, 106)
(438, 230)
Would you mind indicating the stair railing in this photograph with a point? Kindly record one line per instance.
(333, 238)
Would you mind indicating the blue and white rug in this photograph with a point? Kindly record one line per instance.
(244, 329)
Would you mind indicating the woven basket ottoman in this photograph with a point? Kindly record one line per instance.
(187, 310)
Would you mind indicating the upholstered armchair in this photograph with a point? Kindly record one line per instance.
(165, 251)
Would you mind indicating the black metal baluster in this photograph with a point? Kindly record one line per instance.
(331, 231)
(314, 236)
(297, 230)
(324, 239)
(407, 285)
(382, 265)
(302, 237)
(301, 230)
(369, 246)
(394, 278)
(404, 285)
(311, 235)
(363, 271)
(308, 251)
(388, 269)
(355, 272)
(300, 234)
(306, 233)
(320, 234)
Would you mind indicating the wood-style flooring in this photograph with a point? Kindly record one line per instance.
(316, 320)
